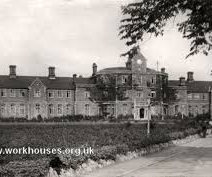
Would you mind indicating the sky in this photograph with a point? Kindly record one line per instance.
(72, 34)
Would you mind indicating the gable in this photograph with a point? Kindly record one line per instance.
(37, 84)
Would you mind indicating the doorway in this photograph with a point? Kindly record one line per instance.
(141, 113)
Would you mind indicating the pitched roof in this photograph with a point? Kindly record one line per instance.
(199, 86)
(194, 86)
(25, 81)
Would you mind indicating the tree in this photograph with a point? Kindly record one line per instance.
(106, 89)
(151, 16)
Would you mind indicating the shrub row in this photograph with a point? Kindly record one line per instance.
(69, 118)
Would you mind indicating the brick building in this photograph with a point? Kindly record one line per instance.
(134, 90)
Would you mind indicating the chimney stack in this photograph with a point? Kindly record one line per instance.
(163, 70)
(74, 78)
(51, 72)
(94, 69)
(182, 81)
(190, 76)
(12, 71)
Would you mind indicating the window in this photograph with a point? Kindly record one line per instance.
(3, 92)
(37, 93)
(22, 93)
(153, 80)
(87, 94)
(164, 95)
(51, 94)
(141, 80)
(12, 109)
(87, 109)
(190, 109)
(3, 109)
(203, 109)
(189, 96)
(51, 109)
(177, 95)
(12, 93)
(68, 94)
(176, 109)
(113, 111)
(196, 96)
(124, 109)
(124, 79)
(22, 109)
(37, 108)
(153, 94)
(196, 110)
(125, 94)
(59, 109)
(59, 94)
(204, 96)
(68, 109)
(140, 94)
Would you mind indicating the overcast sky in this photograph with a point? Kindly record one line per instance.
(72, 34)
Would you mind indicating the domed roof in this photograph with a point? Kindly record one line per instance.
(115, 70)
(122, 70)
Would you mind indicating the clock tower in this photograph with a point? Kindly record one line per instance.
(137, 64)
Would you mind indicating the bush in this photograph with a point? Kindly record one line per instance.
(106, 153)
(39, 118)
(122, 149)
(13, 119)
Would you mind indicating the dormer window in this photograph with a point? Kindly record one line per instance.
(59, 94)
(22, 93)
(3, 92)
(68, 94)
(51, 94)
(12, 93)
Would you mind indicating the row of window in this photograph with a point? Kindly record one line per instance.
(37, 93)
(13, 93)
(140, 94)
(52, 109)
(195, 109)
(197, 96)
(13, 109)
(59, 94)
(59, 109)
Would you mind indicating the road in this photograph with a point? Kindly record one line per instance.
(192, 159)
